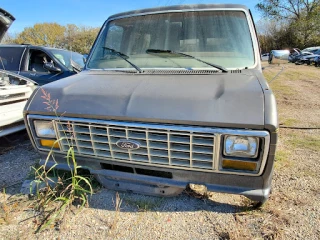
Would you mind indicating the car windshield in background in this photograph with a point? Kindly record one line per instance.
(217, 37)
(69, 58)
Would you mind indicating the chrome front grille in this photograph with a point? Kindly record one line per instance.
(177, 147)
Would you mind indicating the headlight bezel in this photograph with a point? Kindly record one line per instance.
(259, 159)
(38, 137)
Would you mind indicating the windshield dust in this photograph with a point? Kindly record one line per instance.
(199, 40)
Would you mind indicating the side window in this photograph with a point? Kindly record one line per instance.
(10, 58)
(36, 61)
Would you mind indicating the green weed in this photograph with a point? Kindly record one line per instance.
(52, 198)
(290, 122)
(282, 156)
(56, 191)
(305, 142)
(282, 89)
(145, 205)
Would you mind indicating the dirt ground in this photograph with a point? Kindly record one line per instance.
(292, 211)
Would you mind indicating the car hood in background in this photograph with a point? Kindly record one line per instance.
(6, 19)
(221, 99)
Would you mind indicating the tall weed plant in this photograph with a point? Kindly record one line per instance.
(57, 191)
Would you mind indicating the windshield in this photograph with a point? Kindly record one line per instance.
(67, 57)
(217, 37)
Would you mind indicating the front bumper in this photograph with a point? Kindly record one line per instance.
(168, 182)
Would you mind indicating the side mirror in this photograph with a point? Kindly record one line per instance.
(50, 67)
(279, 56)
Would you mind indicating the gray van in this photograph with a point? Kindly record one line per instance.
(169, 96)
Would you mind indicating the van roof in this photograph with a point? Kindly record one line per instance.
(178, 8)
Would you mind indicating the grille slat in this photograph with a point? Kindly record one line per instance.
(101, 146)
(163, 146)
(81, 129)
(99, 131)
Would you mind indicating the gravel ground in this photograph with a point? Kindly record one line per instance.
(292, 212)
(16, 157)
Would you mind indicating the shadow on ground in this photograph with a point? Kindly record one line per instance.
(188, 201)
(10, 142)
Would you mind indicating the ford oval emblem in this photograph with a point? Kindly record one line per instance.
(128, 144)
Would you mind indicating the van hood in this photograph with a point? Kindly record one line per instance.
(6, 19)
(221, 99)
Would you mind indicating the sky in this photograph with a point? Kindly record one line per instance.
(88, 12)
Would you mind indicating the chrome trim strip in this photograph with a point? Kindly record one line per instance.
(169, 150)
(110, 145)
(93, 146)
(148, 147)
(217, 153)
(166, 127)
(190, 149)
(253, 133)
(55, 130)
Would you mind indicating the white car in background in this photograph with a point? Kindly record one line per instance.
(15, 90)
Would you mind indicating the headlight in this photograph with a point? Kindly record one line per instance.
(44, 129)
(241, 146)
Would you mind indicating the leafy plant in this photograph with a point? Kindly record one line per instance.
(57, 191)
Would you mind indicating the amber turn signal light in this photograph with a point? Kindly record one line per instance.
(49, 143)
(239, 165)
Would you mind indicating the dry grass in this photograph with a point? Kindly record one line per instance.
(12, 206)
(282, 216)
(299, 141)
(4, 210)
(288, 122)
(117, 205)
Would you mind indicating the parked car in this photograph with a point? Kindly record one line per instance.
(14, 89)
(308, 59)
(14, 93)
(39, 63)
(297, 54)
(294, 54)
(311, 49)
(169, 96)
(265, 57)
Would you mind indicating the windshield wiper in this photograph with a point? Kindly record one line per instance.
(124, 57)
(170, 52)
